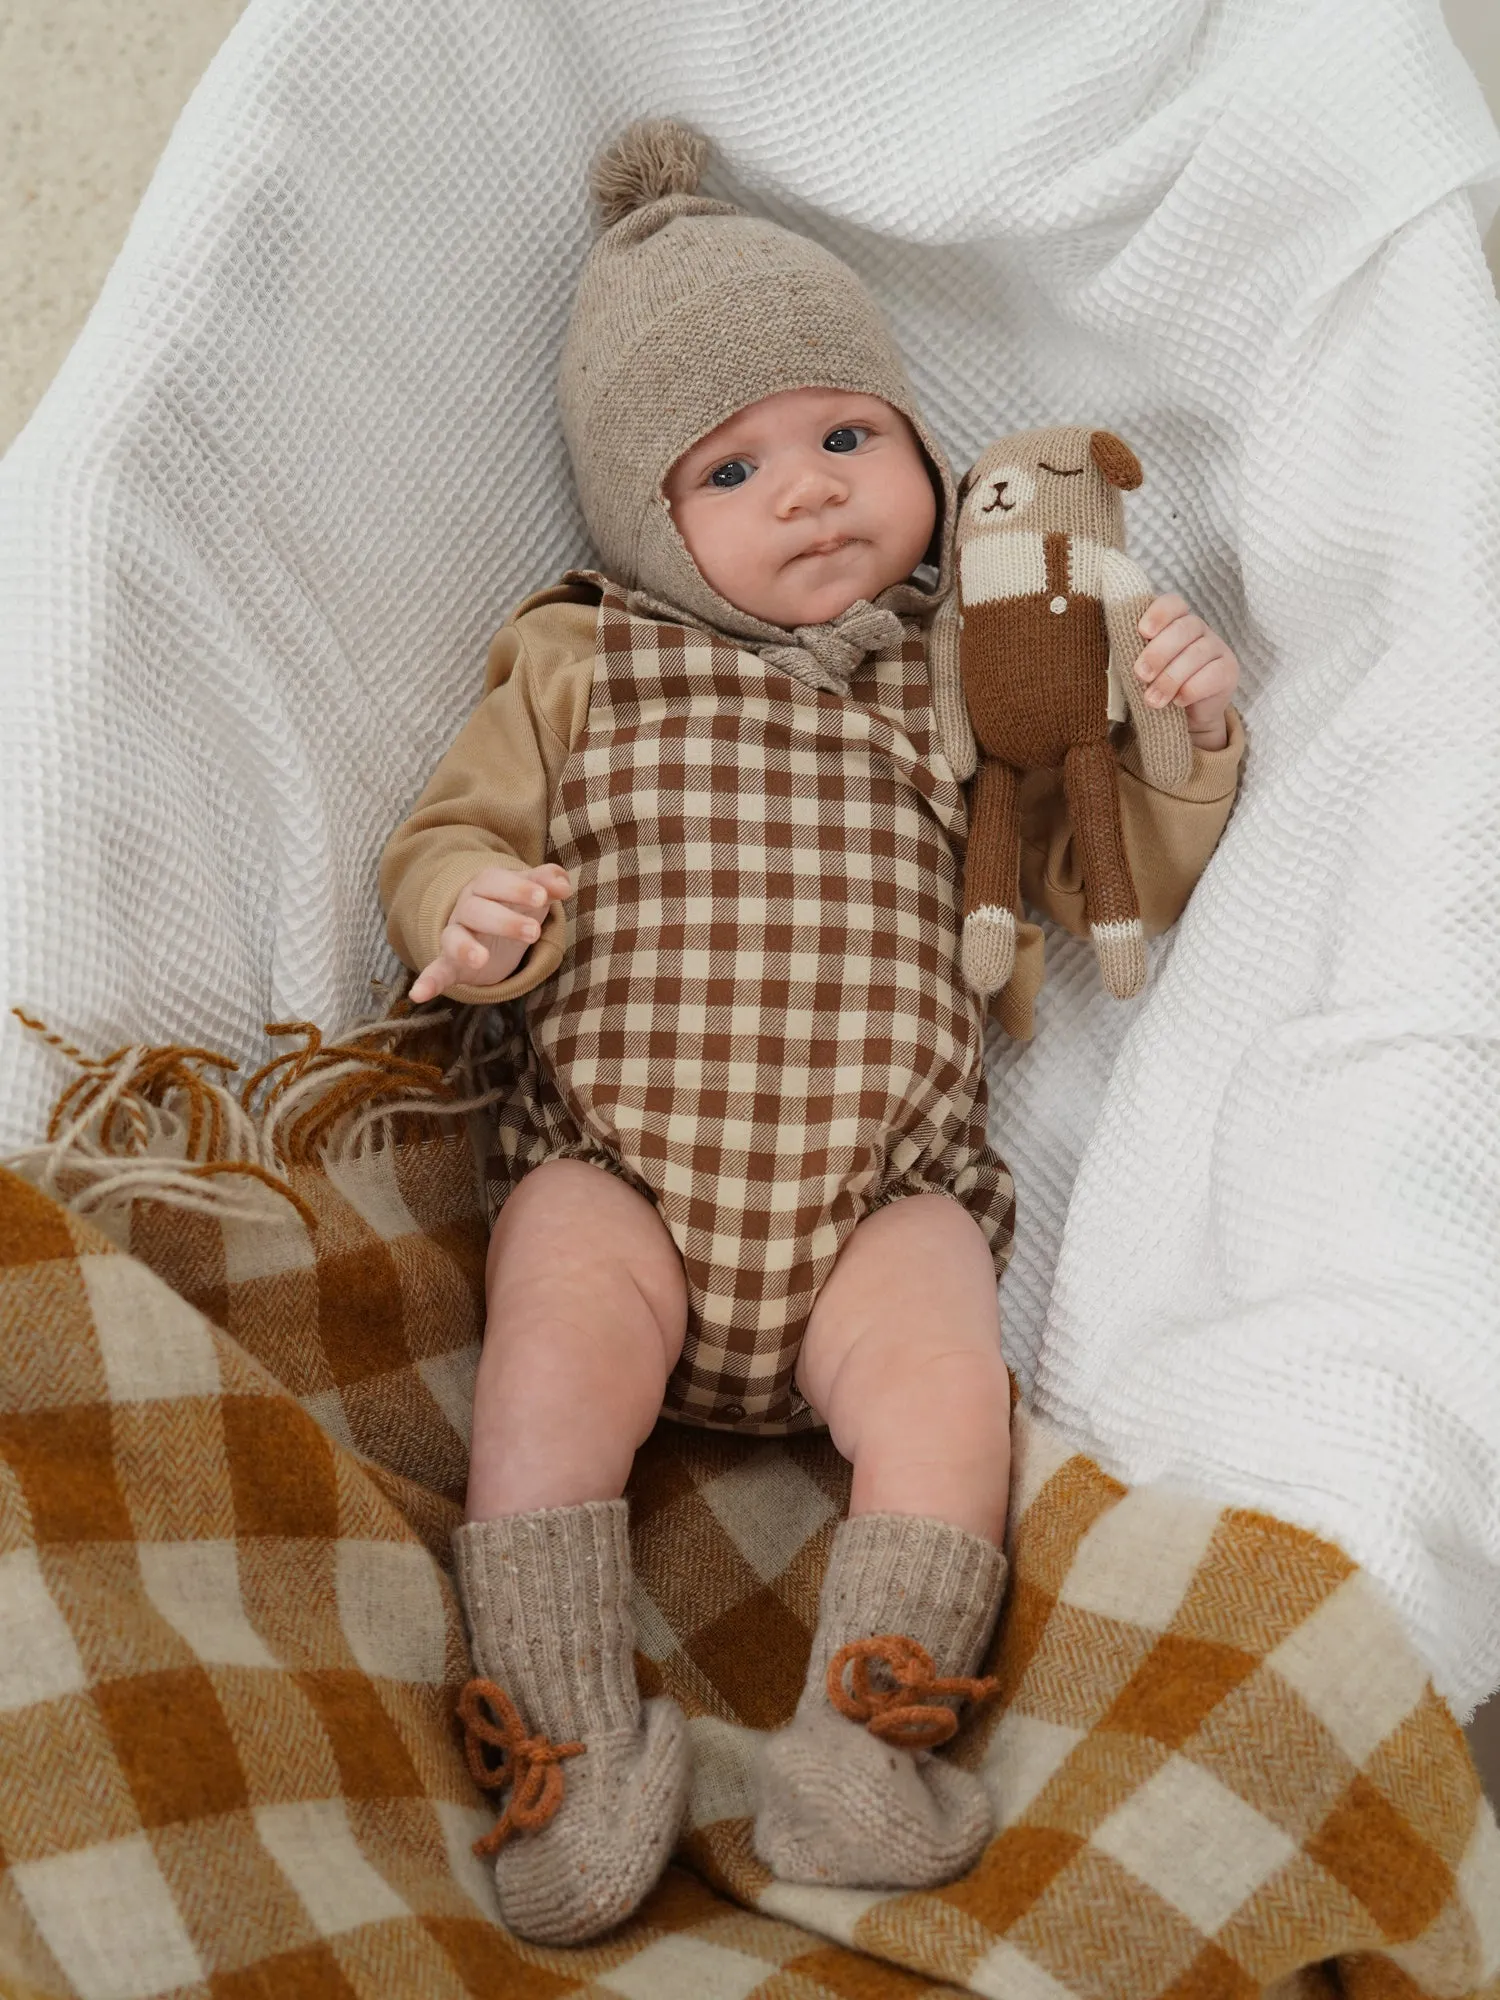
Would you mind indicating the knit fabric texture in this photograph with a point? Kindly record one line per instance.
(688, 310)
(546, 1597)
(903, 1573)
(835, 1802)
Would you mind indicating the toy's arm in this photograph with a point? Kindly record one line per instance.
(1166, 747)
(950, 712)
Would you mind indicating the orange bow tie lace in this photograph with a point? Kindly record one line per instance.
(529, 1765)
(909, 1711)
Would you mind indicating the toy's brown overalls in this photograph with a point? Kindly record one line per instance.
(758, 1021)
(1037, 683)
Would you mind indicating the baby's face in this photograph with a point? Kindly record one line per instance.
(800, 504)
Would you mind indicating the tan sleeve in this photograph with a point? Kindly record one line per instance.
(1169, 837)
(490, 799)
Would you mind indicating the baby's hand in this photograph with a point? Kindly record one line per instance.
(495, 922)
(1187, 663)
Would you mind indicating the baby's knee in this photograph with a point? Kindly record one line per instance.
(949, 1370)
(946, 1384)
(579, 1258)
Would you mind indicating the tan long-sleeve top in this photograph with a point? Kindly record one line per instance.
(490, 800)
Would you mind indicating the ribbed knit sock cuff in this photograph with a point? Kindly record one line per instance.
(547, 1597)
(933, 1582)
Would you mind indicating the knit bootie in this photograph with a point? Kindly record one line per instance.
(596, 1780)
(863, 1803)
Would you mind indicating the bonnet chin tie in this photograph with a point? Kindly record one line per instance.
(826, 656)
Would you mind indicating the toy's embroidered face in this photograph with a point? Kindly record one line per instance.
(1002, 491)
(1060, 480)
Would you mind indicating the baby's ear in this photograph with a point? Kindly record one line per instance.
(1115, 460)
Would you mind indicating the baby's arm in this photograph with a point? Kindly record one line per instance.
(473, 904)
(1170, 835)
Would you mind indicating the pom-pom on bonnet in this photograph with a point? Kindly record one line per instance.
(648, 160)
(688, 309)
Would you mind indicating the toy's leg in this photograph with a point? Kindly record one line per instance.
(992, 878)
(1092, 789)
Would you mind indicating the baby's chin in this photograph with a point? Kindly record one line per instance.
(819, 600)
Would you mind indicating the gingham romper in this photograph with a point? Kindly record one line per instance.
(759, 1020)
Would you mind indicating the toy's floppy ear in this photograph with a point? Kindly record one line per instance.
(1115, 460)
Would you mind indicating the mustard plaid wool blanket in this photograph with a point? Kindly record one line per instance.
(231, 1446)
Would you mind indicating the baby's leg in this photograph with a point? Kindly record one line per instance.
(587, 1306)
(902, 1359)
(586, 1310)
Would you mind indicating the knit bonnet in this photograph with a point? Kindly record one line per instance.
(689, 309)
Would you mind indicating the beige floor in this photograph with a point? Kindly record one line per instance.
(90, 89)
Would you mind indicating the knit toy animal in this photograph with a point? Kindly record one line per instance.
(1033, 658)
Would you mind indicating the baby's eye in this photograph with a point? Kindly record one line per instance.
(733, 472)
(847, 437)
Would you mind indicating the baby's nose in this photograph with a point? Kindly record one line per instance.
(812, 485)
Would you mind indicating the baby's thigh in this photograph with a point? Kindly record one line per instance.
(576, 1251)
(586, 1310)
(913, 1290)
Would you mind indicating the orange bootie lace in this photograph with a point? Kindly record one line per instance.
(530, 1766)
(908, 1711)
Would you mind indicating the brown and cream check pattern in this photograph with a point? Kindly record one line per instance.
(230, 1650)
(1216, 1763)
(759, 1017)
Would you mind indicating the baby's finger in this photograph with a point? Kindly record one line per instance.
(461, 948)
(1213, 682)
(482, 914)
(1159, 613)
(1165, 687)
(1167, 644)
(433, 979)
(509, 885)
(554, 878)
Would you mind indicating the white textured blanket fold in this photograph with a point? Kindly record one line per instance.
(304, 458)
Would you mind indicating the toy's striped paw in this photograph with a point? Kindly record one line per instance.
(1121, 951)
(988, 955)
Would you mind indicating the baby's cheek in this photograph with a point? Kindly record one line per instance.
(733, 557)
(703, 538)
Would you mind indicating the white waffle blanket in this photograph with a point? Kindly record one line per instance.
(304, 458)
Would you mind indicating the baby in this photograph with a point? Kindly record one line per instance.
(702, 822)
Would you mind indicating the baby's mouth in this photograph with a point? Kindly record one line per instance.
(828, 547)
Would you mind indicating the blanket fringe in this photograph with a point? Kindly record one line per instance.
(170, 1123)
